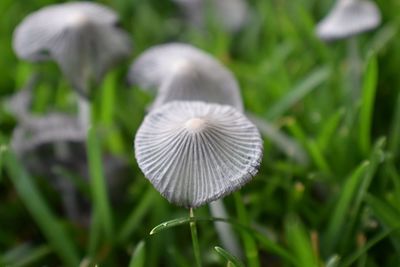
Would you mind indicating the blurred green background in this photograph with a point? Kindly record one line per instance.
(342, 208)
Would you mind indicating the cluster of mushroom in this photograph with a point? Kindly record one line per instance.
(84, 41)
(195, 145)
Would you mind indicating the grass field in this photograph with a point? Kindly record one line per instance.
(337, 204)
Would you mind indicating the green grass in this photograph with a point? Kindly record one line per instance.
(339, 206)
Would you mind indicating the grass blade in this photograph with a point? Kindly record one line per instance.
(362, 251)
(137, 214)
(377, 157)
(311, 146)
(299, 242)
(139, 256)
(108, 101)
(100, 199)
(329, 128)
(94, 235)
(286, 144)
(229, 257)
(24, 255)
(34, 256)
(3, 149)
(333, 261)
(304, 87)
(387, 215)
(343, 206)
(394, 136)
(318, 156)
(264, 241)
(169, 224)
(367, 104)
(250, 245)
(40, 212)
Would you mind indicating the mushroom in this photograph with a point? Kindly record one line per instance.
(195, 152)
(81, 37)
(231, 15)
(348, 18)
(179, 71)
(182, 72)
(52, 128)
(52, 143)
(48, 145)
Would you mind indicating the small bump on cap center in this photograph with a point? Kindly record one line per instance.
(195, 124)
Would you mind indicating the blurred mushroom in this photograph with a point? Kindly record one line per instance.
(52, 128)
(195, 152)
(348, 18)
(51, 144)
(69, 175)
(182, 72)
(231, 15)
(18, 104)
(81, 37)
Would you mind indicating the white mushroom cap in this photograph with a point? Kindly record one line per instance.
(347, 18)
(195, 152)
(80, 36)
(182, 72)
(52, 128)
(231, 14)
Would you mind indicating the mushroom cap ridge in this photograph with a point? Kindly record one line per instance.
(196, 152)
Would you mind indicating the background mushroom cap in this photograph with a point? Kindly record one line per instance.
(196, 152)
(182, 72)
(232, 15)
(80, 36)
(52, 128)
(349, 17)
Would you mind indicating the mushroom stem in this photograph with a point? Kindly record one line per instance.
(354, 62)
(195, 239)
(67, 189)
(84, 113)
(224, 230)
(19, 103)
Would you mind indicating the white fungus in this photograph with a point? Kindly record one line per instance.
(50, 129)
(182, 72)
(196, 152)
(347, 18)
(231, 15)
(81, 37)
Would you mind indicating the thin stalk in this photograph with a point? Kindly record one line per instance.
(354, 68)
(84, 113)
(195, 239)
(224, 231)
